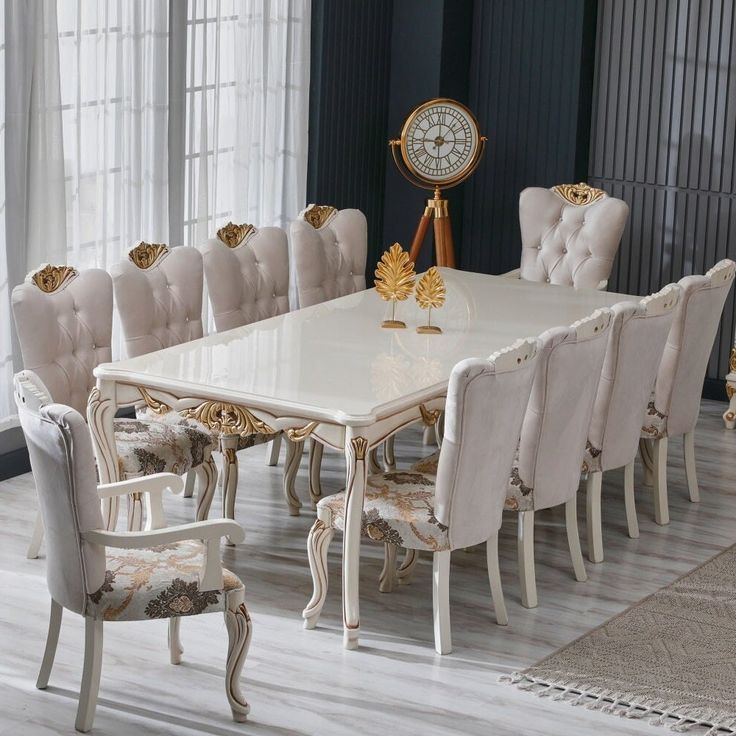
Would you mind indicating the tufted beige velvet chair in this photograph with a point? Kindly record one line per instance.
(570, 235)
(463, 504)
(158, 573)
(635, 344)
(64, 323)
(328, 251)
(675, 404)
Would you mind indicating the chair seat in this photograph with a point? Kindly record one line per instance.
(146, 414)
(157, 582)
(398, 510)
(147, 447)
(519, 497)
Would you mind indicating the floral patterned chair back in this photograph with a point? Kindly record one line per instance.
(247, 274)
(328, 252)
(158, 293)
(64, 322)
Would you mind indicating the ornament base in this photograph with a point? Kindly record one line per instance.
(394, 324)
(429, 330)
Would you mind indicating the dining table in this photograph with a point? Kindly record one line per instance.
(332, 373)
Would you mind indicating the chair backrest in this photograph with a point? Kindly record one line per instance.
(64, 322)
(635, 344)
(62, 461)
(486, 400)
(327, 254)
(569, 234)
(158, 292)
(689, 343)
(557, 419)
(247, 273)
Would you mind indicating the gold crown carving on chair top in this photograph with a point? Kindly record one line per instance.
(145, 255)
(233, 235)
(318, 214)
(580, 194)
(51, 278)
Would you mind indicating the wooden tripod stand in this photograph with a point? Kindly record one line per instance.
(437, 209)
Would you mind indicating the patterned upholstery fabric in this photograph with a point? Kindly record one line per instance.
(591, 459)
(655, 423)
(147, 447)
(146, 414)
(519, 497)
(398, 509)
(158, 582)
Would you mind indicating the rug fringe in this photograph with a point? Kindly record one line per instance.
(607, 702)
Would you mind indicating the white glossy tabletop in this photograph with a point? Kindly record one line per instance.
(334, 361)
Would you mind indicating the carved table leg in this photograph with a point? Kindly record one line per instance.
(294, 450)
(729, 416)
(228, 445)
(320, 536)
(356, 451)
(315, 467)
(389, 458)
(100, 415)
(207, 474)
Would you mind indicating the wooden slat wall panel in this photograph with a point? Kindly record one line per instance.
(351, 49)
(662, 139)
(525, 79)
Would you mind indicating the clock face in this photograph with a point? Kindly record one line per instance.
(440, 142)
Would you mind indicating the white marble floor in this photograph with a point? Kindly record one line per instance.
(303, 682)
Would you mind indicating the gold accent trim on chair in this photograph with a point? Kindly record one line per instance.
(156, 406)
(147, 255)
(580, 194)
(429, 417)
(731, 388)
(51, 278)
(233, 235)
(318, 215)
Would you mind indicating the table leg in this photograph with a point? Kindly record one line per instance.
(229, 446)
(356, 451)
(100, 415)
(294, 451)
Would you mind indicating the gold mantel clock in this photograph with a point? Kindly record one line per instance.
(439, 148)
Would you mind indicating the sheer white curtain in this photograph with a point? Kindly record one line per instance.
(247, 98)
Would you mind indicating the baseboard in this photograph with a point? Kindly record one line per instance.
(14, 463)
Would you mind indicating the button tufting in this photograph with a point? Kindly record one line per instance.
(186, 319)
(564, 250)
(539, 247)
(273, 296)
(94, 347)
(547, 280)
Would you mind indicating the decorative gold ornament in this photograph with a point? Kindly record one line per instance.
(730, 389)
(51, 278)
(299, 434)
(359, 445)
(318, 214)
(145, 255)
(222, 418)
(579, 194)
(156, 406)
(394, 280)
(233, 235)
(429, 416)
(430, 294)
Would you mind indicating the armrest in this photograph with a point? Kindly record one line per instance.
(515, 274)
(204, 530)
(158, 482)
(210, 532)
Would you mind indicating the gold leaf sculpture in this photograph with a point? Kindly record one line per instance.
(394, 280)
(145, 255)
(580, 194)
(51, 278)
(318, 214)
(430, 295)
(233, 235)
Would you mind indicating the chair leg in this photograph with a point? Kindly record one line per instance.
(387, 579)
(692, 479)
(228, 447)
(135, 512)
(630, 501)
(403, 574)
(525, 546)
(294, 451)
(441, 602)
(661, 504)
(429, 436)
(315, 469)
(175, 648)
(52, 639)
(593, 510)
(189, 484)
(36, 538)
(439, 429)
(274, 448)
(646, 451)
(494, 578)
(318, 543)
(389, 458)
(239, 632)
(373, 464)
(207, 474)
(90, 675)
(573, 539)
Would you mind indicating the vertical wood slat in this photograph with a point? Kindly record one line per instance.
(663, 140)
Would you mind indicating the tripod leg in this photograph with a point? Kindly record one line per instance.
(416, 244)
(449, 247)
(439, 241)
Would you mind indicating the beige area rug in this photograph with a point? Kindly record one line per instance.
(670, 658)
